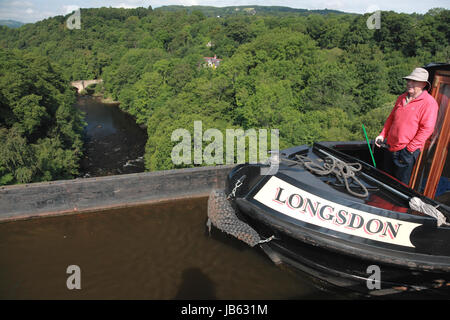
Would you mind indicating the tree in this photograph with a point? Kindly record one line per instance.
(366, 63)
(40, 132)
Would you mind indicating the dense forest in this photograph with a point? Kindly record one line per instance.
(40, 131)
(313, 76)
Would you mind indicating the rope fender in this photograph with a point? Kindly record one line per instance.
(222, 215)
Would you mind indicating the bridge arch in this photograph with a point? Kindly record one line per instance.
(80, 85)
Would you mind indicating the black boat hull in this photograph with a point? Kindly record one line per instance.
(398, 252)
(354, 274)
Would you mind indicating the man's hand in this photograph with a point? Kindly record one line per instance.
(378, 141)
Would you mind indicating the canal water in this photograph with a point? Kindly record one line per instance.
(114, 143)
(159, 251)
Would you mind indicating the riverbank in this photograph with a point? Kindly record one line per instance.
(107, 100)
(91, 92)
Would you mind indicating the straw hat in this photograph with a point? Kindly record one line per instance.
(419, 74)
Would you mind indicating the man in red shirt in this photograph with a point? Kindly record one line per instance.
(409, 125)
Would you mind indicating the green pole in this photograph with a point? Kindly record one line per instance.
(367, 139)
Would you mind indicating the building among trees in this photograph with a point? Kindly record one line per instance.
(212, 62)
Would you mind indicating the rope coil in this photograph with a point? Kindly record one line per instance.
(343, 171)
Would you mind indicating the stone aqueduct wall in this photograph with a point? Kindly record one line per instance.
(95, 194)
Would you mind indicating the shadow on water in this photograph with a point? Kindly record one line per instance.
(195, 285)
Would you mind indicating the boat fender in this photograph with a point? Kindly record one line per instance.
(222, 215)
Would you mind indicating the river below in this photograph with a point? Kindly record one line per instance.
(114, 143)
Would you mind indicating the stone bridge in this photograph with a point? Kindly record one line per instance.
(82, 84)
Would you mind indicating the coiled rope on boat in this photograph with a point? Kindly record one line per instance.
(343, 171)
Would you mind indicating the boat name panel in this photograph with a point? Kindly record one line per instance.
(301, 205)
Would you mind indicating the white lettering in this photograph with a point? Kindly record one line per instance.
(302, 205)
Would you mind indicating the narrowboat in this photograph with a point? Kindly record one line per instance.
(330, 211)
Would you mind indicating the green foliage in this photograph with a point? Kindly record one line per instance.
(366, 63)
(314, 75)
(17, 160)
(40, 131)
(333, 85)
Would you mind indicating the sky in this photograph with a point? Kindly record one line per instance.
(35, 10)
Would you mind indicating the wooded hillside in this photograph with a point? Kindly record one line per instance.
(314, 77)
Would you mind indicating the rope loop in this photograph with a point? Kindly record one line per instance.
(342, 170)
